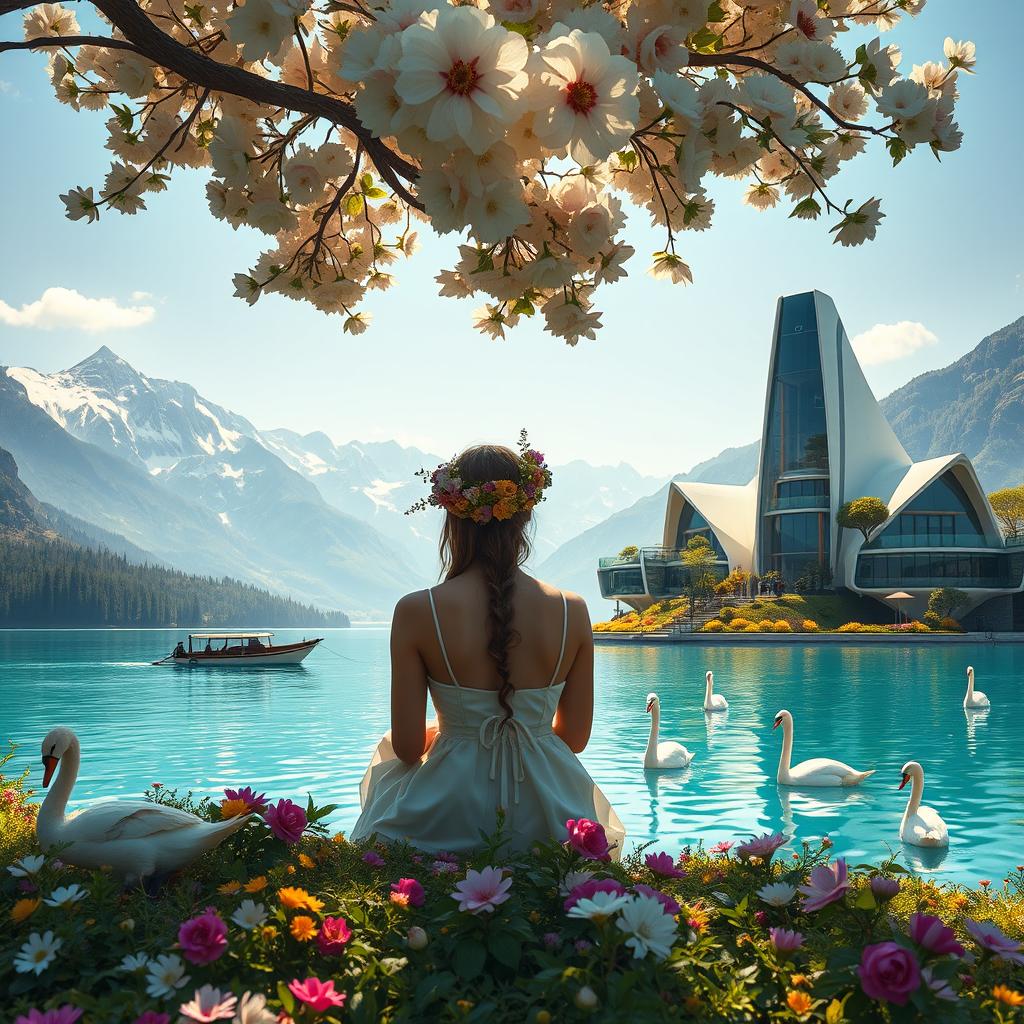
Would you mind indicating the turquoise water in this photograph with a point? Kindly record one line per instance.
(312, 728)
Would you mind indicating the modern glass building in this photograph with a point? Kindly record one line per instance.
(825, 441)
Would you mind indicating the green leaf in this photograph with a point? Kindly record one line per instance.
(524, 307)
(375, 193)
(866, 900)
(366, 181)
(897, 150)
(468, 959)
(286, 997)
(715, 12)
(505, 948)
(353, 204)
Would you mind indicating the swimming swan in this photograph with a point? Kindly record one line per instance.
(921, 826)
(135, 837)
(713, 701)
(662, 755)
(819, 771)
(974, 698)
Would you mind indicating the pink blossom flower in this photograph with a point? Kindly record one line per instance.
(588, 839)
(209, 1004)
(784, 940)
(249, 797)
(662, 864)
(482, 891)
(444, 867)
(286, 820)
(333, 935)
(723, 847)
(889, 973)
(670, 905)
(761, 917)
(65, 1014)
(374, 859)
(203, 939)
(317, 994)
(552, 940)
(931, 934)
(407, 892)
(991, 939)
(884, 888)
(828, 883)
(763, 846)
(152, 1017)
(586, 890)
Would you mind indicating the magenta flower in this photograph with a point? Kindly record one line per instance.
(209, 1004)
(253, 801)
(784, 940)
(481, 891)
(582, 945)
(662, 864)
(407, 892)
(552, 940)
(203, 939)
(884, 888)
(286, 820)
(761, 917)
(65, 1014)
(152, 1017)
(723, 847)
(317, 994)
(889, 973)
(828, 883)
(671, 907)
(992, 940)
(763, 846)
(333, 936)
(932, 935)
(374, 859)
(586, 890)
(588, 839)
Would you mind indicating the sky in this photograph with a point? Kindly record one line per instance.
(677, 373)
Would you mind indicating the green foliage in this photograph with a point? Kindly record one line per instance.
(17, 814)
(864, 514)
(1008, 506)
(946, 600)
(629, 551)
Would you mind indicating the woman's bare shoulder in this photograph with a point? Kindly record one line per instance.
(411, 609)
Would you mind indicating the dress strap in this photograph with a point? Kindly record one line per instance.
(440, 639)
(565, 631)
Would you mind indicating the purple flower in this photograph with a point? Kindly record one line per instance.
(586, 890)
(489, 486)
(152, 1017)
(889, 973)
(932, 935)
(65, 1014)
(407, 892)
(785, 941)
(992, 940)
(444, 867)
(940, 987)
(253, 801)
(581, 945)
(763, 846)
(204, 938)
(286, 820)
(761, 917)
(588, 839)
(552, 940)
(670, 905)
(375, 860)
(828, 883)
(884, 888)
(662, 864)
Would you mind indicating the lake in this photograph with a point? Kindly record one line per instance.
(312, 728)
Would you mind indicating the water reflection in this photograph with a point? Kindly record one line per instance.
(714, 724)
(829, 803)
(977, 719)
(925, 860)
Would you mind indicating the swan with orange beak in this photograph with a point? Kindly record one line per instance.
(921, 826)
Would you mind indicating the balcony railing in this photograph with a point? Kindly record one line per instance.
(799, 501)
(931, 582)
(932, 540)
(617, 561)
(1015, 542)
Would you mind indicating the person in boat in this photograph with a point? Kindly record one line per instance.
(508, 661)
(179, 651)
(208, 649)
(254, 643)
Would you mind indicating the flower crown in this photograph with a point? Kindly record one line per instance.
(491, 499)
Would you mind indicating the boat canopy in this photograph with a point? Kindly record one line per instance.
(227, 636)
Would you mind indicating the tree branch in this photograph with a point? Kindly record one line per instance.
(41, 41)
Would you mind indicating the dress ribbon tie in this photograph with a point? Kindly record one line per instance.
(506, 739)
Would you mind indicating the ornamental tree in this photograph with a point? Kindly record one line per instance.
(864, 514)
(1008, 506)
(526, 128)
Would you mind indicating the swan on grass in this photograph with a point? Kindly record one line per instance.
(713, 701)
(921, 826)
(974, 698)
(136, 838)
(667, 754)
(818, 771)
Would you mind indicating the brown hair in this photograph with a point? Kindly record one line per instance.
(498, 547)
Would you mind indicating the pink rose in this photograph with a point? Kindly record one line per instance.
(588, 839)
(204, 939)
(407, 892)
(333, 935)
(318, 995)
(889, 973)
(286, 820)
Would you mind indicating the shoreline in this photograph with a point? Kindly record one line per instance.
(807, 639)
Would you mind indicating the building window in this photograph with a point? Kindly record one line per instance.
(621, 582)
(934, 569)
(795, 540)
(940, 516)
(693, 524)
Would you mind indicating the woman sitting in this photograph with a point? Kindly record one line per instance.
(509, 665)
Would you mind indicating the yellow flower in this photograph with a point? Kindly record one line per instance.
(534, 917)
(269, 932)
(229, 888)
(306, 862)
(23, 909)
(299, 899)
(303, 928)
(291, 869)
(800, 979)
(338, 837)
(1007, 995)
(464, 1005)
(799, 1002)
(257, 884)
(233, 808)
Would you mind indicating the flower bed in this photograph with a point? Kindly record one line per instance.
(285, 924)
(658, 616)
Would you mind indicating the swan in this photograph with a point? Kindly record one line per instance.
(662, 755)
(136, 838)
(713, 701)
(819, 771)
(974, 698)
(921, 826)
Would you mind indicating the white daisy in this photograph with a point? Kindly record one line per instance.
(249, 915)
(166, 974)
(599, 907)
(37, 954)
(573, 878)
(65, 895)
(776, 894)
(27, 865)
(132, 962)
(649, 927)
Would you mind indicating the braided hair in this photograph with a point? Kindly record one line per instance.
(498, 547)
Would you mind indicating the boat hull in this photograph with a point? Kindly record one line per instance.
(286, 654)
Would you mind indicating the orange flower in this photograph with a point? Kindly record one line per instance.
(799, 1002)
(505, 488)
(229, 888)
(233, 808)
(299, 899)
(257, 884)
(303, 928)
(800, 979)
(269, 932)
(306, 861)
(1007, 995)
(504, 509)
(23, 909)
(400, 899)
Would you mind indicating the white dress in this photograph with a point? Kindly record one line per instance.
(480, 761)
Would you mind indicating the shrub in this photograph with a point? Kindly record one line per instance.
(728, 613)
(850, 627)
(916, 627)
(782, 626)
(751, 627)
(766, 626)
(713, 626)
(739, 623)
(754, 604)
(809, 626)
(17, 814)
(932, 619)
(950, 624)
(629, 551)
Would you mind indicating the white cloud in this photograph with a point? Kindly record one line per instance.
(885, 343)
(64, 307)
(141, 296)
(8, 88)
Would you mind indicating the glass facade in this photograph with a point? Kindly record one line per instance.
(693, 524)
(935, 569)
(625, 582)
(940, 516)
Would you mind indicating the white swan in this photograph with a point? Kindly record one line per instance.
(974, 698)
(134, 837)
(662, 755)
(818, 771)
(921, 826)
(713, 701)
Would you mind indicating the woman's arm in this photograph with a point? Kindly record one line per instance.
(575, 714)
(408, 683)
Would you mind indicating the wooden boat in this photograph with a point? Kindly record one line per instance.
(238, 649)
